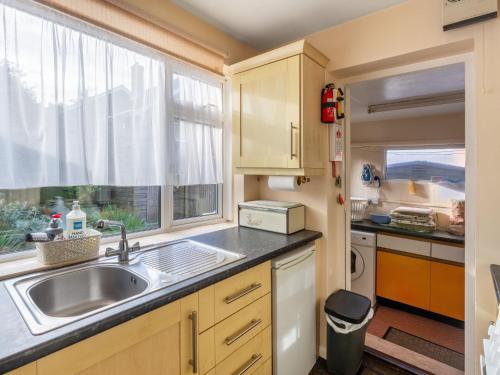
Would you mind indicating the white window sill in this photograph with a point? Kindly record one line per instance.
(22, 266)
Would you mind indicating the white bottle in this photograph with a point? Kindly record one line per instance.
(76, 222)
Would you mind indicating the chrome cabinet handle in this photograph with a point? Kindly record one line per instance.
(244, 292)
(252, 361)
(235, 336)
(292, 155)
(194, 339)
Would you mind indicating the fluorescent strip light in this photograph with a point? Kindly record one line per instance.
(423, 101)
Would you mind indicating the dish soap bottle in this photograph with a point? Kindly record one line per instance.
(76, 222)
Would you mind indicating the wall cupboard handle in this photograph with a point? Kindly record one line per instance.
(292, 155)
(194, 341)
(241, 293)
(252, 361)
(235, 336)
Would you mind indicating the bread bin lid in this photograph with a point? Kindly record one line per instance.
(270, 205)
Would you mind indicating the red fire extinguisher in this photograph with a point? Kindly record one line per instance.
(328, 107)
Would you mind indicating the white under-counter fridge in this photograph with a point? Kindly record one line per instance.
(294, 311)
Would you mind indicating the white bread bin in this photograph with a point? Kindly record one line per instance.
(273, 216)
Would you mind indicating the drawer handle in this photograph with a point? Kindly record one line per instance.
(194, 341)
(254, 323)
(241, 293)
(252, 361)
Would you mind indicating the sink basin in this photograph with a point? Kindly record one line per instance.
(85, 290)
(49, 300)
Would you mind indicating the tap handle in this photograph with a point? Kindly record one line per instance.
(111, 252)
(135, 247)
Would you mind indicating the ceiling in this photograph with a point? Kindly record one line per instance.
(265, 24)
(441, 80)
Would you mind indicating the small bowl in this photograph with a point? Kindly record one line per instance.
(380, 219)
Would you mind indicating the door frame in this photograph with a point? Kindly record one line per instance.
(470, 181)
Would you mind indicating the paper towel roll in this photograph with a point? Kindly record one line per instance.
(282, 183)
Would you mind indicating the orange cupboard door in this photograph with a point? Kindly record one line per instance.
(403, 279)
(448, 290)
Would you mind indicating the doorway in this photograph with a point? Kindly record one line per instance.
(408, 151)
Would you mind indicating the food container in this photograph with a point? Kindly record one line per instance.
(69, 251)
(273, 216)
(380, 218)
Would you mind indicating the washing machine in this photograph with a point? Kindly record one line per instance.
(363, 263)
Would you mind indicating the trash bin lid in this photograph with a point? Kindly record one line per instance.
(348, 306)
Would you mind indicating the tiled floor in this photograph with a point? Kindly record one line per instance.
(371, 366)
(440, 333)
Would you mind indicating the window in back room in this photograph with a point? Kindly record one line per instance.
(446, 165)
(88, 115)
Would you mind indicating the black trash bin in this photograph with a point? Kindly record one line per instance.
(347, 314)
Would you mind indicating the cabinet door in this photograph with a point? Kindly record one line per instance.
(448, 290)
(147, 345)
(29, 369)
(266, 117)
(403, 279)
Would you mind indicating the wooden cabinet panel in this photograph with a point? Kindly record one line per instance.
(250, 356)
(404, 279)
(314, 133)
(240, 290)
(447, 290)
(206, 308)
(266, 368)
(29, 369)
(207, 350)
(267, 106)
(239, 328)
(155, 336)
(158, 354)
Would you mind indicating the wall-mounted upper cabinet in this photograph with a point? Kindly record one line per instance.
(277, 127)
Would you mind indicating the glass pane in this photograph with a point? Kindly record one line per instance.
(28, 210)
(437, 164)
(195, 201)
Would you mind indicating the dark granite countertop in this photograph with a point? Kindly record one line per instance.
(368, 226)
(18, 346)
(495, 274)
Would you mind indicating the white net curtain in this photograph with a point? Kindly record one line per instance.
(81, 106)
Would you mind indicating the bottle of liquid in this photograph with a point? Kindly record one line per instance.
(76, 222)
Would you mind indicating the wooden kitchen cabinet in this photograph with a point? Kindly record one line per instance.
(276, 118)
(404, 279)
(147, 345)
(447, 290)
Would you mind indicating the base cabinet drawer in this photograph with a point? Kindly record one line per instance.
(266, 368)
(240, 290)
(249, 358)
(403, 279)
(238, 329)
(448, 290)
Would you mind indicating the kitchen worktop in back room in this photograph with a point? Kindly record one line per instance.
(368, 226)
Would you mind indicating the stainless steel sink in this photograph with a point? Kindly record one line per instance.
(49, 300)
(83, 290)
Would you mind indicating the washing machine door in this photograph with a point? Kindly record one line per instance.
(357, 264)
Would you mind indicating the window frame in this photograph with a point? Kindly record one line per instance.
(167, 224)
(416, 147)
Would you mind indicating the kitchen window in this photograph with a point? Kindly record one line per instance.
(133, 134)
(440, 164)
